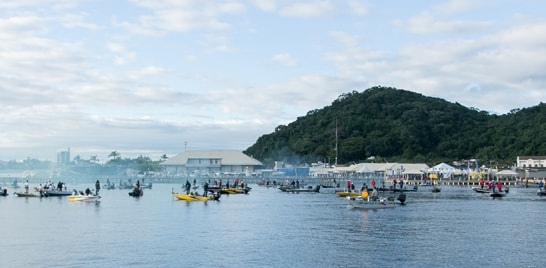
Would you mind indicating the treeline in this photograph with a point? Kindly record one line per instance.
(391, 124)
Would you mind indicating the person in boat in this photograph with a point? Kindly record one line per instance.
(205, 189)
(87, 191)
(97, 187)
(26, 186)
(348, 186)
(364, 194)
(188, 187)
(374, 194)
(499, 186)
(541, 185)
(373, 183)
(401, 184)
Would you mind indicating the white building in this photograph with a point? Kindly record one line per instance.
(218, 162)
(531, 161)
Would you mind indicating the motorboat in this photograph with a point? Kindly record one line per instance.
(136, 192)
(370, 203)
(54, 192)
(347, 194)
(83, 198)
(195, 197)
(25, 194)
(309, 189)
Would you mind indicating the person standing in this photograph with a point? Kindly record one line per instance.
(348, 186)
(97, 187)
(205, 188)
(188, 187)
(26, 186)
(373, 184)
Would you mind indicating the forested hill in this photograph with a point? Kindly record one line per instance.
(397, 125)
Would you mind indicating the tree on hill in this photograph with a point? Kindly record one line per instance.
(400, 125)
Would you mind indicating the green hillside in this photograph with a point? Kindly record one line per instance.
(398, 125)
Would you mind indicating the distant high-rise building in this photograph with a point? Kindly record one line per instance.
(63, 157)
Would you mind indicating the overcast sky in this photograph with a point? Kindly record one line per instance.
(153, 77)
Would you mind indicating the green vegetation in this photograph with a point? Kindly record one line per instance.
(390, 124)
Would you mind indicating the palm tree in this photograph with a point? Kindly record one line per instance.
(114, 155)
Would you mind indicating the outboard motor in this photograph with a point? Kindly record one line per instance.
(401, 197)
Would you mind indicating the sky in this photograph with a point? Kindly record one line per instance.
(155, 77)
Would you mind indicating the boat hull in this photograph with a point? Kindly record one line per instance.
(83, 198)
(192, 197)
(22, 194)
(347, 194)
(361, 203)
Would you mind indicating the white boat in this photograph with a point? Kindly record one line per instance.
(379, 203)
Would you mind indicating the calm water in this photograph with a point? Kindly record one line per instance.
(269, 228)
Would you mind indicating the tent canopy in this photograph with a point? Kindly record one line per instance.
(507, 172)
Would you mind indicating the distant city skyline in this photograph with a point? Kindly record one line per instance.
(149, 78)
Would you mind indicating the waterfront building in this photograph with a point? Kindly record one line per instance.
(211, 163)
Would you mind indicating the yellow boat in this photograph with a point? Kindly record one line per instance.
(192, 197)
(347, 194)
(84, 198)
(235, 190)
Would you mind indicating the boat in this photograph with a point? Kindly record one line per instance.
(136, 192)
(481, 190)
(4, 192)
(234, 190)
(394, 189)
(370, 203)
(54, 192)
(489, 190)
(347, 194)
(540, 192)
(497, 194)
(83, 198)
(23, 194)
(195, 197)
(301, 190)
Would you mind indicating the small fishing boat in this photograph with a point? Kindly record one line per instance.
(541, 192)
(481, 190)
(234, 190)
(136, 192)
(347, 194)
(83, 198)
(301, 190)
(23, 194)
(370, 203)
(497, 194)
(436, 189)
(194, 197)
(4, 192)
(54, 192)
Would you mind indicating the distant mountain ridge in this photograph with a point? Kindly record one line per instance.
(398, 125)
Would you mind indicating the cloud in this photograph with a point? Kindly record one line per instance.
(285, 59)
(309, 9)
(182, 16)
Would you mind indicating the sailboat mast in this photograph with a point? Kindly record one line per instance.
(336, 145)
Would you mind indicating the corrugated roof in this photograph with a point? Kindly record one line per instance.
(228, 158)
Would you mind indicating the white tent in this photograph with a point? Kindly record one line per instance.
(507, 173)
(443, 169)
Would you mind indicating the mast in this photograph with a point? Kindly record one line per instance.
(335, 161)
